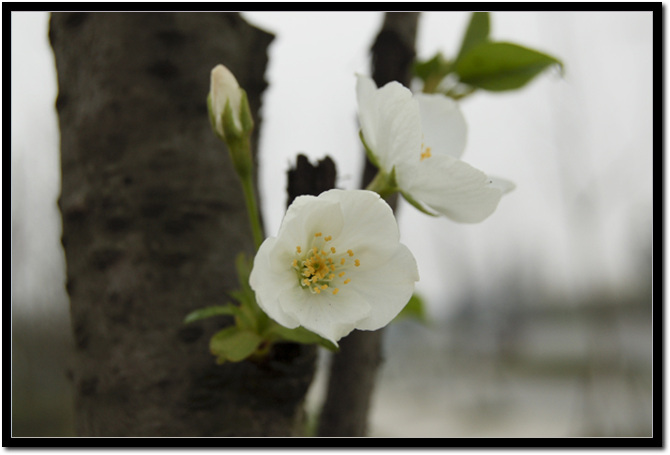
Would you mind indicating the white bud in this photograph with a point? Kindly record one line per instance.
(224, 88)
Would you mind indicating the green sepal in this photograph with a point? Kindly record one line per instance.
(500, 66)
(234, 345)
(384, 184)
(416, 204)
(246, 119)
(277, 332)
(368, 152)
(211, 311)
(415, 309)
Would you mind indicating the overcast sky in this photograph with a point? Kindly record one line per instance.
(579, 148)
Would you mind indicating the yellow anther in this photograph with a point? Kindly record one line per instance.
(357, 262)
(350, 253)
(295, 263)
(342, 261)
(335, 291)
(328, 239)
(318, 291)
(298, 249)
(425, 154)
(332, 249)
(331, 276)
(347, 281)
(315, 250)
(341, 274)
(318, 234)
(324, 287)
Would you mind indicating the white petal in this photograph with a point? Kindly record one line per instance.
(269, 283)
(390, 121)
(387, 288)
(451, 187)
(331, 316)
(443, 124)
(503, 185)
(306, 216)
(369, 226)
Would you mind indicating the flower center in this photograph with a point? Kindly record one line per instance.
(321, 267)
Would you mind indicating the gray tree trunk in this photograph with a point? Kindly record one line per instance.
(153, 217)
(353, 370)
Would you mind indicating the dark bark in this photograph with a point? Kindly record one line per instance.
(153, 217)
(353, 370)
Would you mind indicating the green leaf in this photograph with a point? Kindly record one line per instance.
(298, 335)
(233, 345)
(476, 33)
(208, 312)
(437, 66)
(432, 71)
(415, 309)
(501, 66)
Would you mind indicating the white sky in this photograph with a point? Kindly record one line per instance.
(579, 148)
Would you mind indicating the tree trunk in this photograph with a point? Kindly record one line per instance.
(153, 217)
(353, 370)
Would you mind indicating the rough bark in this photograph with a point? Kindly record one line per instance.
(153, 217)
(353, 370)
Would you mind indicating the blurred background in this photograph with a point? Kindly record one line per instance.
(540, 317)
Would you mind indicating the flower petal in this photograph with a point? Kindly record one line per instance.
(269, 282)
(387, 288)
(451, 187)
(369, 226)
(443, 124)
(331, 316)
(390, 121)
(306, 216)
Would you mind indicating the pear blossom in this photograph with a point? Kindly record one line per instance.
(417, 141)
(335, 265)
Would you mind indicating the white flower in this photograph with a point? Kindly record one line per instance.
(418, 140)
(336, 265)
(223, 89)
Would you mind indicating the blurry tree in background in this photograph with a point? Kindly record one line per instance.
(153, 218)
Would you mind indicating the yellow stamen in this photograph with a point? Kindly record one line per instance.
(328, 239)
(298, 249)
(341, 274)
(335, 291)
(332, 249)
(347, 281)
(357, 262)
(425, 154)
(318, 234)
(350, 253)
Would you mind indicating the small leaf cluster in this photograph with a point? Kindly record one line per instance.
(482, 63)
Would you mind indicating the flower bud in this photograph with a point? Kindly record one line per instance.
(224, 90)
(230, 116)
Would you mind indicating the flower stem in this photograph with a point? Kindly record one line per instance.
(381, 185)
(252, 209)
